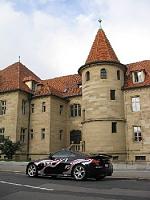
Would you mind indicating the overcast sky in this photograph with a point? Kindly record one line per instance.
(53, 37)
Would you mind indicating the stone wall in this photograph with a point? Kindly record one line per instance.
(140, 118)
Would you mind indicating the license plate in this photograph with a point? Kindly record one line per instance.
(106, 165)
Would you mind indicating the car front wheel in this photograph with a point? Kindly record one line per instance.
(79, 172)
(32, 170)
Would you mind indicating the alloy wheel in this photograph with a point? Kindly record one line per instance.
(79, 172)
(32, 170)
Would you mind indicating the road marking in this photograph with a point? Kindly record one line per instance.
(28, 186)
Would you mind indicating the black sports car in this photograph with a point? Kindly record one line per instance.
(74, 164)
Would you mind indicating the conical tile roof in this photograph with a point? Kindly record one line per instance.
(101, 49)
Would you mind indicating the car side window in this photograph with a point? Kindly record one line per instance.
(63, 154)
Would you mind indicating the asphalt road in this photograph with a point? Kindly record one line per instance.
(18, 186)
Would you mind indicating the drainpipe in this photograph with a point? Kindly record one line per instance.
(28, 136)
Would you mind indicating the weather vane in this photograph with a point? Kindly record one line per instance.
(100, 21)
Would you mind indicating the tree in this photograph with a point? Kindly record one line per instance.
(9, 148)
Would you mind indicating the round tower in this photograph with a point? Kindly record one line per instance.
(102, 99)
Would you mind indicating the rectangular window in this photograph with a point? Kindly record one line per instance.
(42, 133)
(43, 107)
(115, 158)
(61, 109)
(135, 104)
(32, 108)
(137, 133)
(31, 134)
(2, 130)
(140, 158)
(75, 110)
(138, 77)
(60, 134)
(2, 107)
(112, 95)
(114, 127)
(23, 107)
(118, 74)
(22, 135)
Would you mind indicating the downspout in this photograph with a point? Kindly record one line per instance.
(28, 137)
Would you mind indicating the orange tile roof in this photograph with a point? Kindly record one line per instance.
(137, 66)
(101, 49)
(65, 86)
(12, 78)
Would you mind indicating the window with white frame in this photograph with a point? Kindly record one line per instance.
(2, 107)
(22, 135)
(2, 130)
(137, 134)
(75, 110)
(136, 104)
(138, 76)
(24, 107)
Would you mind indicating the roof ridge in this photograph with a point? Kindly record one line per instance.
(138, 62)
(61, 77)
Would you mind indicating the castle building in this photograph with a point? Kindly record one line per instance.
(102, 109)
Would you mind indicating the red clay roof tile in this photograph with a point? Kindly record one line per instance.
(101, 49)
(12, 78)
(64, 86)
(137, 66)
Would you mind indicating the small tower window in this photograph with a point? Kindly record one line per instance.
(87, 76)
(112, 95)
(103, 73)
(118, 74)
(114, 127)
(43, 107)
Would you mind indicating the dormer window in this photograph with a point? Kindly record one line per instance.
(138, 76)
(30, 82)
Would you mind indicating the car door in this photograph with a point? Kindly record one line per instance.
(58, 162)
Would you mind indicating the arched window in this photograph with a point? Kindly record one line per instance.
(75, 110)
(118, 74)
(87, 76)
(103, 74)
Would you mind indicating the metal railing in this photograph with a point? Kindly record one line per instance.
(77, 147)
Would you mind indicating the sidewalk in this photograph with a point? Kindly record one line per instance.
(122, 171)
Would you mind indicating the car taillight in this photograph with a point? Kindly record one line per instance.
(96, 162)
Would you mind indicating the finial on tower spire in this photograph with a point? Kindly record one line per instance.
(19, 59)
(100, 21)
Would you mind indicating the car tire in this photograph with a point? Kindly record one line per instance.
(32, 170)
(79, 172)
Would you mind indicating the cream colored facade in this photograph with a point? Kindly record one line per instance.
(103, 119)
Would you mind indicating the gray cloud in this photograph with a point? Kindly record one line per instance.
(55, 45)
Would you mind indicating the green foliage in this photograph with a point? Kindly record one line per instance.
(9, 148)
